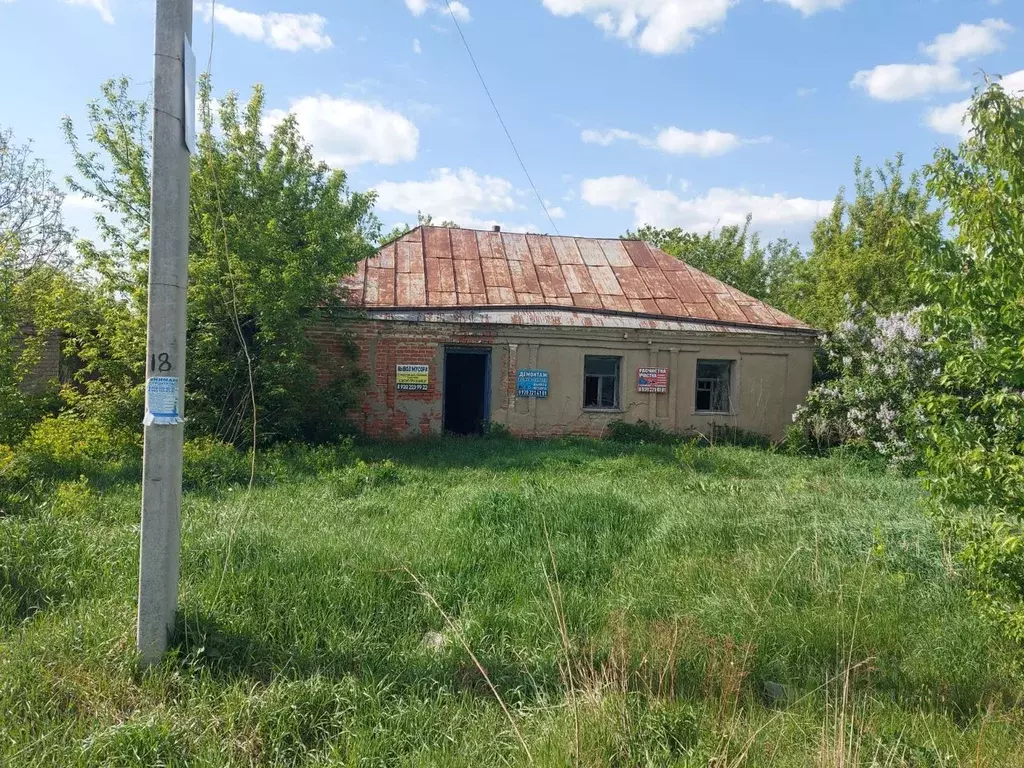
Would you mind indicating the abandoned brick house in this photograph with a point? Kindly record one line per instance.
(559, 335)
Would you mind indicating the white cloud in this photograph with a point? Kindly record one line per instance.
(284, 31)
(656, 26)
(674, 141)
(102, 7)
(968, 41)
(706, 144)
(665, 26)
(462, 196)
(950, 119)
(554, 211)
(811, 7)
(1013, 82)
(608, 137)
(416, 47)
(899, 82)
(458, 10)
(76, 201)
(716, 208)
(345, 132)
(803, 93)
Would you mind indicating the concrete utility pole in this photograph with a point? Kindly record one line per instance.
(165, 339)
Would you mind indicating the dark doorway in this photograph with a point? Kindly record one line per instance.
(466, 374)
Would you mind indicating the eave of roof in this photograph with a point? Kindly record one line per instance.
(430, 268)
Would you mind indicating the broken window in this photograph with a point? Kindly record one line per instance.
(714, 386)
(601, 382)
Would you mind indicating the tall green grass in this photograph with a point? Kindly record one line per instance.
(491, 602)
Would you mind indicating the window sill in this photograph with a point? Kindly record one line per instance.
(595, 409)
(715, 413)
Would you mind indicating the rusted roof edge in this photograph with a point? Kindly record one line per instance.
(800, 330)
(396, 238)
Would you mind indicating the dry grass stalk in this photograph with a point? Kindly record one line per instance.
(557, 603)
(454, 629)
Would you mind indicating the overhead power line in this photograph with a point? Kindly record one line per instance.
(497, 112)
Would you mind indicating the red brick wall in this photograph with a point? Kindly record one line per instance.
(382, 346)
(47, 368)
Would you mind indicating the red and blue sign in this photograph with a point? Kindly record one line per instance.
(532, 384)
(652, 380)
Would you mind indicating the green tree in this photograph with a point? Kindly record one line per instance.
(271, 232)
(974, 283)
(861, 252)
(784, 267)
(422, 220)
(33, 247)
(32, 231)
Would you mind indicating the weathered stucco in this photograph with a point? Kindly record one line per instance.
(771, 375)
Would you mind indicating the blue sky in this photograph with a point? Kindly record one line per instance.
(675, 112)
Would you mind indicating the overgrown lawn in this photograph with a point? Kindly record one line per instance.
(628, 608)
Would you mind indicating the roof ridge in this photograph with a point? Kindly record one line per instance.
(516, 232)
(396, 238)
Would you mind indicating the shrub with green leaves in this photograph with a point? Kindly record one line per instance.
(271, 231)
(640, 433)
(208, 462)
(67, 447)
(877, 368)
(975, 414)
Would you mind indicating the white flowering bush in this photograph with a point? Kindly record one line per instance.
(875, 370)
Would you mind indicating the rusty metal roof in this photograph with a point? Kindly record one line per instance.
(433, 267)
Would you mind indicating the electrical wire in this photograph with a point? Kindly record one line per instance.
(237, 326)
(497, 112)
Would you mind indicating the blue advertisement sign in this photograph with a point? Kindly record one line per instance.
(532, 384)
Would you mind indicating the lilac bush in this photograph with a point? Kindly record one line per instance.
(876, 368)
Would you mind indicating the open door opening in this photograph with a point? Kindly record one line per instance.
(466, 380)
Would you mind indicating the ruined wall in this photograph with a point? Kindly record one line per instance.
(47, 369)
(771, 376)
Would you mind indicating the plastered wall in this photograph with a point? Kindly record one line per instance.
(771, 376)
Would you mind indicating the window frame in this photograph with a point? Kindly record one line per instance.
(730, 388)
(602, 383)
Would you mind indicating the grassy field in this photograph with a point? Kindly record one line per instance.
(489, 602)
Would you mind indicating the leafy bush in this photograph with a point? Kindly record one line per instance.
(271, 232)
(876, 368)
(209, 462)
(21, 409)
(639, 433)
(497, 431)
(286, 460)
(692, 456)
(726, 434)
(364, 476)
(975, 416)
(76, 498)
(67, 447)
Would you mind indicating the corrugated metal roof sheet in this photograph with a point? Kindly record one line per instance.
(442, 267)
(554, 317)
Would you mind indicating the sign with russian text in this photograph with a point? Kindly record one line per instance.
(652, 380)
(532, 384)
(412, 378)
(162, 394)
